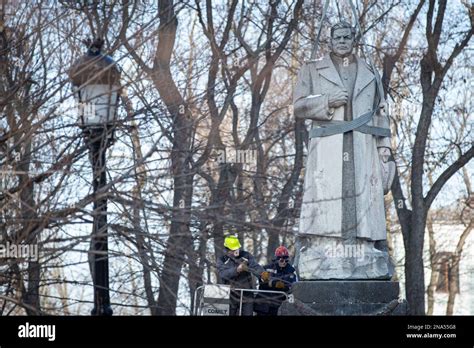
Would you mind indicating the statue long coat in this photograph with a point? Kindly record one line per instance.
(321, 210)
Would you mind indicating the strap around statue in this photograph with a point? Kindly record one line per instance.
(359, 124)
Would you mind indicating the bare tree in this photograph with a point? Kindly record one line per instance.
(199, 78)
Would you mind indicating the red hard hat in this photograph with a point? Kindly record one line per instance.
(281, 251)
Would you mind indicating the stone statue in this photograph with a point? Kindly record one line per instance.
(342, 231)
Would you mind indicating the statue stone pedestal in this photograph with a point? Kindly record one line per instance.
(331, 258)
(345, 297)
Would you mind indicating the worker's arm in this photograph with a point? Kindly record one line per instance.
(289, 278)
(283, 281)
(254, 267)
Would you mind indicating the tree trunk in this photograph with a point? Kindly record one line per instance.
(453, 284)
(178, 245)
(219, 197)
(454, 279)
(434, 268)
(179, 240)
(414, 267)
(29, 233)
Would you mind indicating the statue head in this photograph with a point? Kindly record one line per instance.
(342, 39)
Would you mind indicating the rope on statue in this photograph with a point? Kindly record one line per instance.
(316, 43)
(359, 124)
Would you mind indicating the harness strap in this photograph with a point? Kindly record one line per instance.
(359, 125)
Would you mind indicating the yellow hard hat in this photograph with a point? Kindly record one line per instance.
(232, 243)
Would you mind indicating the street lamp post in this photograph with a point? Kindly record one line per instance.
(96, 81)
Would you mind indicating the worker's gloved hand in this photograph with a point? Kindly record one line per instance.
(279, 284)
(243, 267)
(265, 276)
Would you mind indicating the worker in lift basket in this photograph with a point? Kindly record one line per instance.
(279, 276)
(236, 268)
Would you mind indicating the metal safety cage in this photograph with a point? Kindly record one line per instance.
(219, 304)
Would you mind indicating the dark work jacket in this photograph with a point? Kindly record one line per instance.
(227, 269)
(286, 274)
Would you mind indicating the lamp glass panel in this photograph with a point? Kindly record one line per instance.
(98, 104)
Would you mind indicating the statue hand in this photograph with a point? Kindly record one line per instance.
(388, 168)
(383, 109)
(339, 98)
(384, 154)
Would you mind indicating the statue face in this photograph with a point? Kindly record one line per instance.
(342, 42)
